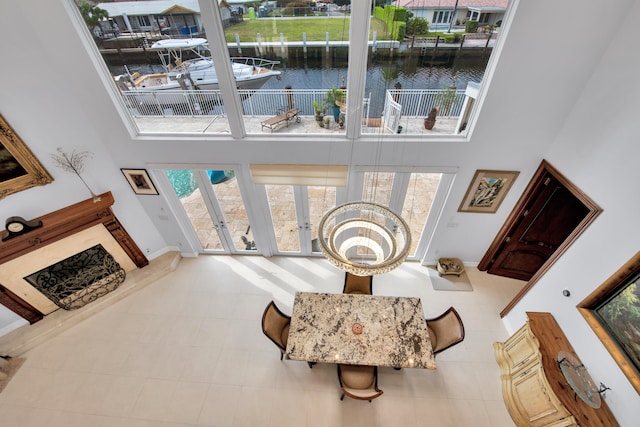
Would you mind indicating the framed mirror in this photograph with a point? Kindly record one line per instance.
(19, 168)
(613, 312)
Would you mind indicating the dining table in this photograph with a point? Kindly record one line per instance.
(359, 329)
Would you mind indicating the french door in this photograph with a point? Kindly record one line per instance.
(295, 213)
(214, 207)
(416, 196)
(287, 216)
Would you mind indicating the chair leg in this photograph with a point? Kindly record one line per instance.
(311, 364)
(342, 397)
(281, 355)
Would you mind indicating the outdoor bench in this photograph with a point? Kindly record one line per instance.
(285, 117)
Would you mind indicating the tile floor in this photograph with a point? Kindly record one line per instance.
(187, 350)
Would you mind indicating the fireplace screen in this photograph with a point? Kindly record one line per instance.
(79, 279)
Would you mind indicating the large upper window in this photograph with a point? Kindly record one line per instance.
(285, 68)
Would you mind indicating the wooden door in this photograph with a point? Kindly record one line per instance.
(550, 215)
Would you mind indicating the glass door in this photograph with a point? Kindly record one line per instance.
(409, 194)
(295, 214)
(213, 202)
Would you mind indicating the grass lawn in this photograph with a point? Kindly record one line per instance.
(316, 29)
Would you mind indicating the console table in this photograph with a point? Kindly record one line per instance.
(534, 388)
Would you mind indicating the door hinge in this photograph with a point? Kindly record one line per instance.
(547, 181)
(525, 213)
(507, 239)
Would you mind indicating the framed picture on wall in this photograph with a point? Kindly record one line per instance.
(613, 312)
(19, 168)
(487, 190)
(140, 181)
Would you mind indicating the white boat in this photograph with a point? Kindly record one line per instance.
(197, 72)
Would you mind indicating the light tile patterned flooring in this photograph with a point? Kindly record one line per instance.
(188, 350)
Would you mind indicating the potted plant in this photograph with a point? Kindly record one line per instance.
(446, 98)
(327, 122)
(333, 100)
(444, 101)
(430, 120)
(318, 109)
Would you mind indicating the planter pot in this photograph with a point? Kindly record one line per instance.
(319, 117)
(429, 124)
(336, 113)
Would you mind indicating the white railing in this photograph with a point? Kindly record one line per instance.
(190, 103)
(268, 102)
(418, 102)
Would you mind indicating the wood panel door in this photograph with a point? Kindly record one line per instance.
(550, 215)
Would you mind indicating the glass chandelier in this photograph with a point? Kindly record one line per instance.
(364, 238)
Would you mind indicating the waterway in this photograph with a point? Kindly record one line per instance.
(411, 72)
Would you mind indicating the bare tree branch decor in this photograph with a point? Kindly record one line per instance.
(73, 162)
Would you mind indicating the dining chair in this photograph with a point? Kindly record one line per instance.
(275, 325)
(445, 330)
(359, 382)
(357, 284)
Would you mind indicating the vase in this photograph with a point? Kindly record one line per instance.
(336, 113)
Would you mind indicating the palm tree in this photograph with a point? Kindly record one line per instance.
(92, 15)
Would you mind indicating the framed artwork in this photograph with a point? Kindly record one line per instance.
(613, 312)
(140, 181)
(487, 190)
(19, 168)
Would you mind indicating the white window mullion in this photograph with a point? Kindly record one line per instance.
(358, 53)
(212, 21)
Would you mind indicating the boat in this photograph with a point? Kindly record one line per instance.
(186, 66)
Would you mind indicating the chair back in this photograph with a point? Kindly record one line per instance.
(357, 284)
(359, 382)
(275, 325)
(445, 330)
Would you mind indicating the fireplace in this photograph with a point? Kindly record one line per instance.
(79, 279)
(66, 234)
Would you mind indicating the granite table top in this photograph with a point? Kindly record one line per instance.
(394, 331)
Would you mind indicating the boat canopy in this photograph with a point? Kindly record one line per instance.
(179, 43)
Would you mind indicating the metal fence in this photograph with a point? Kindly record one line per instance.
(418, 102)
(269, 102)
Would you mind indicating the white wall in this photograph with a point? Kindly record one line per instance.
(597, 149)
(547, 96)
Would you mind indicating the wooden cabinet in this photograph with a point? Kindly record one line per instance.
(534, 389)
(525, 389)
(520, 350)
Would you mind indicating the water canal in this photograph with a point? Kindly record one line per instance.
(412, 72)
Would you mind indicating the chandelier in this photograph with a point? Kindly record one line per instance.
(364, 238)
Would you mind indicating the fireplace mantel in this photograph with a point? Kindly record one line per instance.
(57, 226)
